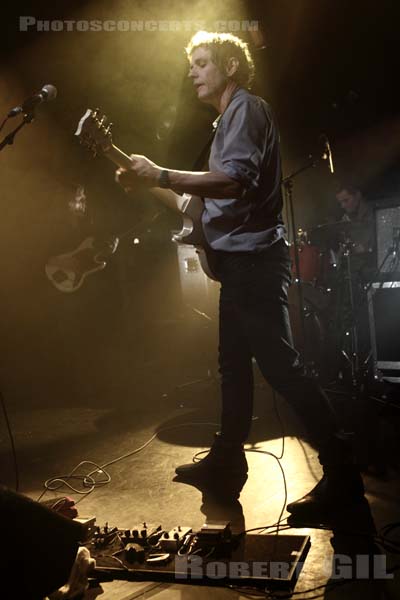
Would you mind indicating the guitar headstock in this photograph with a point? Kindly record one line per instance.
(93, 131)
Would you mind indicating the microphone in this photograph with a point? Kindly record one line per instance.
(47, 93)
(327, 155)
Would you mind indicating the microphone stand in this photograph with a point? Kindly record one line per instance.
(287, 183)
(9, 138)
(4, 121)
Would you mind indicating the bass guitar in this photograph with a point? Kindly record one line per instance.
(67, 272)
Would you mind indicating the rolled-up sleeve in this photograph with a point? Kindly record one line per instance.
(245, 132)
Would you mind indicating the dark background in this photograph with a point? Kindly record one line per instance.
(329, 67)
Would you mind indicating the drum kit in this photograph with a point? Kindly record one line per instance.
(325, 298)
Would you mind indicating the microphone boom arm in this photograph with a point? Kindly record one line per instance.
(8, 140)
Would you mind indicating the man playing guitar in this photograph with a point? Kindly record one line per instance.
(243, 226)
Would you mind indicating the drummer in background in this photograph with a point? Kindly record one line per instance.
(360, 213)
(360, 237)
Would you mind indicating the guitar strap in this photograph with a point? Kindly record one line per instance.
(202, 159)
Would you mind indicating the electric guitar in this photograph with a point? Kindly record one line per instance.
(94, 133)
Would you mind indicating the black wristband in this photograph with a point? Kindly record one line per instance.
(163, 180)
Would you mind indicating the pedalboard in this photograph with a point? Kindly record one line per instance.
(211, 556)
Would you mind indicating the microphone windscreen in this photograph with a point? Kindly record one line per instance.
(50, 92)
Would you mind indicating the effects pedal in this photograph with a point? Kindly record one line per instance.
(216, 538)
(145, 535)
(88, 527)
(213, 534)
(134, 553)
(172, 540)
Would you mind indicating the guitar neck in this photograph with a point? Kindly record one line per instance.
(118, 157)
(173, 201)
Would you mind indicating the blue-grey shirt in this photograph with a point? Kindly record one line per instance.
(246, 148)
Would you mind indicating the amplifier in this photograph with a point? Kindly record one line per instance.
(387, 222)
(384, 321)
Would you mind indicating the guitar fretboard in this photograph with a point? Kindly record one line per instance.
(118, 157)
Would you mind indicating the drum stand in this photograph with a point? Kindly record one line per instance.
(353, 359)
(358, 371)
(364, 410)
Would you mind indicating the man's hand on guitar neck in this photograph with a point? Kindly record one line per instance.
(143, 173)
(209, 184)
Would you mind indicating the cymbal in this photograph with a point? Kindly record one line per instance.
(325, 235)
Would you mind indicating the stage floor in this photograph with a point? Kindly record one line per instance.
(52, 440)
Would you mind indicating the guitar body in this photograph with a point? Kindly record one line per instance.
(67, 272)
(192, 233)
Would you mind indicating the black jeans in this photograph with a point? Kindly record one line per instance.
(254, 322)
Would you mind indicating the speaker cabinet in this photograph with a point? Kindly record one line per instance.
(384, 320)
(387, 222)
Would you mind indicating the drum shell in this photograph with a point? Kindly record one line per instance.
(310, 262)
(317, 267)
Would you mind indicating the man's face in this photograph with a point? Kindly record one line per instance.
(349, 201)
(208, 80)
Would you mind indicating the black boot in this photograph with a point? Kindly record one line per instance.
(339, 488)
(224, 459)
